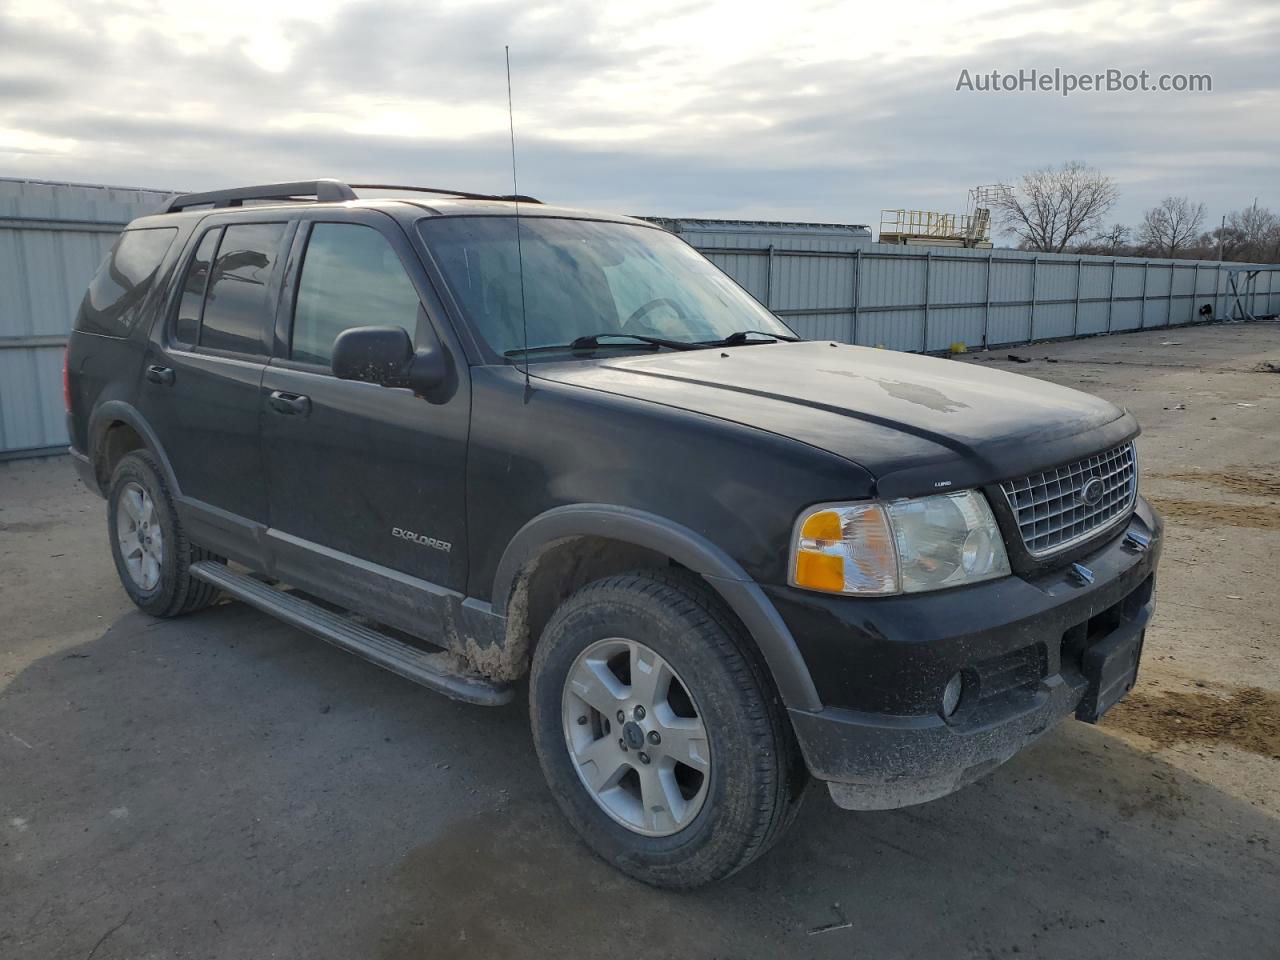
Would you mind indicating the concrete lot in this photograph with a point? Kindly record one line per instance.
(224, 786)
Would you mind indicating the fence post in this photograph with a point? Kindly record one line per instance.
(1168, 313)
(1035, 277)
(857, 262)
(1075, 317)
(1111, 294)
(986, 315)
(928, 262)
(1142, 311)
(1217, 285)
(768, 281)
(1195, 293)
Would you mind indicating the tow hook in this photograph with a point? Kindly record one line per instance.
(1136, 541)
(1082, 574)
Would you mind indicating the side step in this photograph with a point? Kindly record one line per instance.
(439, 670)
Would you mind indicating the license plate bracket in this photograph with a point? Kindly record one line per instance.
(1111, 667)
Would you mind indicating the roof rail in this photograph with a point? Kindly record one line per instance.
(461, 194)
(324, 191)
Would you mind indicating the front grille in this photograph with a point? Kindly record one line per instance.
(1050, 511)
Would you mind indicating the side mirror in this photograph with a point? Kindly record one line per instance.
(385, 356)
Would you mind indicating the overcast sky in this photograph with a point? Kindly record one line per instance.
(791, 110)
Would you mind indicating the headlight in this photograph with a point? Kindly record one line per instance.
(905, 546)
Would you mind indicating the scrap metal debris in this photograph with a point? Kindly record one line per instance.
(842, 922)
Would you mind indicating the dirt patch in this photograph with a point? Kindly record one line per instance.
(1248, 719)
(1264, 483)
(1201, 513)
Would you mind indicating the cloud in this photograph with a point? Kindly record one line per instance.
(818, 112)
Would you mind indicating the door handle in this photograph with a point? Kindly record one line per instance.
(160, 375)
(290, 404)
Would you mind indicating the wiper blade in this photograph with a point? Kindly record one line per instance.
(739, 337)
(593, 340)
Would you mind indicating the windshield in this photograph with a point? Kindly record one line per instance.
(582, 278)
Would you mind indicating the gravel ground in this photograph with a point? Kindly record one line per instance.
(225, 786)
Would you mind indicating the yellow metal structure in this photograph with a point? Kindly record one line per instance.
(930, 228)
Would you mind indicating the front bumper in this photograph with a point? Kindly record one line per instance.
(1031, 652)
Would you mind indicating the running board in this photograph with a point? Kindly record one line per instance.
(438, 670)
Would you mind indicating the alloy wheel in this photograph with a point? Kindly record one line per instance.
(139, 536)
(636, 737)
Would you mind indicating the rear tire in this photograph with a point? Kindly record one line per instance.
(150, 549)
(743, 780)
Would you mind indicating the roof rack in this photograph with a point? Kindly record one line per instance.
(320, 191)
(461, 194)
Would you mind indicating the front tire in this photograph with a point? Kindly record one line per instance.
(150, 549)
(659, 731)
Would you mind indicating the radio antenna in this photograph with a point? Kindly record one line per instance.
(515, 196)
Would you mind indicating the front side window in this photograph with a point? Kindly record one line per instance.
(113, 301)
(240, 302)
(351, 277)
(585, 277)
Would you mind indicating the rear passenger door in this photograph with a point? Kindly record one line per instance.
(202, 378)
(367, 496)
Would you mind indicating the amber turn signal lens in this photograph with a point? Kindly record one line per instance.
(845, 549)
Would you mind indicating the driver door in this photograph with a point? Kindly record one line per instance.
(366, 483)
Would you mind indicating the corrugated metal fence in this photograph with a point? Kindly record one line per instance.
(927, 298)
(52, 238)
(828, 281)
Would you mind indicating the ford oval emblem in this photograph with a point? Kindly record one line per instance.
(1091, 493)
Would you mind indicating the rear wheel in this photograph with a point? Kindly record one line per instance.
(149, 546)
(659, 731)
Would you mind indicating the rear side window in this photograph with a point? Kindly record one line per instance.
(239, 302)
(113, 302)
(351, 277)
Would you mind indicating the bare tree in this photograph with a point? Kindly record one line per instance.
(1248, 235)
(1258, 230)
(1222, 243)
(1172, 226)
(1052, 207)
(1111, 242)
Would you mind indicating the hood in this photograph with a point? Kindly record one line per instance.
(916, 423)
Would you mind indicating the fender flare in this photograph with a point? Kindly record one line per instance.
(113, 411)
(688, 548)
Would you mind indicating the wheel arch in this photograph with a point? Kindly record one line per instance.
(109, 439)
(642, 535)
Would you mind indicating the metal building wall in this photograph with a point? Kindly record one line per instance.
(927, 298)
(52, 238)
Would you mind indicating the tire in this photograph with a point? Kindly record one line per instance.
(710, 821)
(154, 569)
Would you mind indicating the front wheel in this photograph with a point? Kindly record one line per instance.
(659, 732)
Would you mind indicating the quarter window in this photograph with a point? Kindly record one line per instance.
(113, 302)
(351, 277)
(240, 302)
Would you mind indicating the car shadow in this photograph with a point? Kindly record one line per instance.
(225, 784)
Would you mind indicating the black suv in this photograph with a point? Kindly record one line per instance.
(476, 438)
